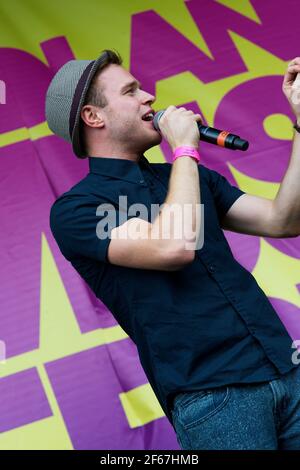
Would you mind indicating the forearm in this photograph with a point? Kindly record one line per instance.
(287, 201)
(178, 222)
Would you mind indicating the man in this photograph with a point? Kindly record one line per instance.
(214, 350)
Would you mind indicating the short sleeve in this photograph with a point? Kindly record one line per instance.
(81, 227)
(224, 193)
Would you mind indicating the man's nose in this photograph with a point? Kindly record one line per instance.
(148, 97)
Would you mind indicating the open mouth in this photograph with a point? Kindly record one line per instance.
(148, 117)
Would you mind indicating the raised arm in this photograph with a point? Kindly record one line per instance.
(163, 244)
(278, 218)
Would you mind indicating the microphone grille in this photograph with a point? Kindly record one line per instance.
(156, 119)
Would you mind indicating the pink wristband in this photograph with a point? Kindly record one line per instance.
(186, 151)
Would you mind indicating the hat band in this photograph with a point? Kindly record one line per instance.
(77, 96)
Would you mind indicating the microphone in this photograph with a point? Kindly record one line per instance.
(212, 135)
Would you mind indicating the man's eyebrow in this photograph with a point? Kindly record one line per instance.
(130, 84)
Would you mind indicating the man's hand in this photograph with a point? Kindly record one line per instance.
(179, 127)
(291, 86)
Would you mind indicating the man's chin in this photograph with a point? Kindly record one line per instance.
(157, 137)
(156, 140)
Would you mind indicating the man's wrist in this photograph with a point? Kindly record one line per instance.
(186, 151)
(174, 147)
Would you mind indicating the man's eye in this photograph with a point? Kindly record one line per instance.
(130, 91)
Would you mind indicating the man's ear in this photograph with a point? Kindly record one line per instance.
(91, 116)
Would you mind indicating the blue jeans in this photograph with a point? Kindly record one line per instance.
(260, 416)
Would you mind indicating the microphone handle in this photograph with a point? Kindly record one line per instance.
(212, 135)
(222, 138)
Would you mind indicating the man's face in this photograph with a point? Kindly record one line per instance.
(127, 103)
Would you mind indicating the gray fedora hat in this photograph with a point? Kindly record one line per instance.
(65, 98)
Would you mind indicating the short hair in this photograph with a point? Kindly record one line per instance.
(95, 95)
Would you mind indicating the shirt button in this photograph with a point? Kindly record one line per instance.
(212, 268)
(142, 181)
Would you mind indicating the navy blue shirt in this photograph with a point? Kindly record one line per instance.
(206, 325)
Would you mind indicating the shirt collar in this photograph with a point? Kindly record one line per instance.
(127, 170)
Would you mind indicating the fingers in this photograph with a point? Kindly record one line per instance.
(291, 77)
(292, 69)
(182, 110)
(295, 61)
(294, 66)
(167, 112)
(296, 83)
(169, 109)
(174, 108)
(198, 117)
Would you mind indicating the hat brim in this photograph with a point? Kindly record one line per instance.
(76, 138)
